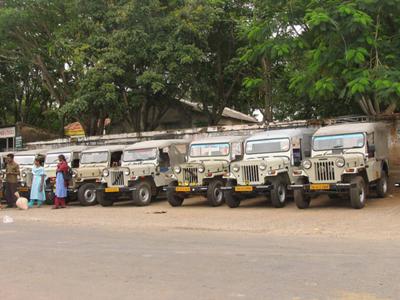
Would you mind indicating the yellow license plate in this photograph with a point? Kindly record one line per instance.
(320, 186)
(243, 189)
(23, 189)
(112, 190)
(182, 189)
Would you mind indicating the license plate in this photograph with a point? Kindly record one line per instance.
(112, 190)
(243, 189)
(23, 189)
(182, 189)
(320, 186)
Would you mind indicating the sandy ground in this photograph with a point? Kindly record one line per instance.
(380, 219)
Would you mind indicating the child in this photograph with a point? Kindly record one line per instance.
(38, 184)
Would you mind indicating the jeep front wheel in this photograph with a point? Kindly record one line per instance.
(231, 199)
(381, 186)
(103, 199)
(215, 195)
(87, 194)
(300, 198)
(278, 193)
(173, 198)
(358, 192)
(142, 194)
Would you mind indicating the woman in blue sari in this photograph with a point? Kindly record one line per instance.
(38, 184)
(61, 183)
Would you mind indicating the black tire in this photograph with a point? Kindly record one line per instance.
(173, 198)
(49, 198)
(87, 194)
(215, 195)
(300, 198)
(143, 193)
(382, 186)
(278, 193)
(358, 193)
(103, 199)
(231, 198)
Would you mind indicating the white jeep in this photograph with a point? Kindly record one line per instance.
(267, 167)
(347, 160)
(203, 173)
(144, 172)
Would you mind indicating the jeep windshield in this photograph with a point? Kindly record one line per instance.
(94, 157)
(52, 159)
(340, 141)
(24, 160)
(140, 155)
(209, 150)
(267, 146)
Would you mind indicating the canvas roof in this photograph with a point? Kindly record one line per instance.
(157, 144)
(349, 128)
(282, 133)
(219, 139)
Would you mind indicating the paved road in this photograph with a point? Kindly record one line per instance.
(60, 262)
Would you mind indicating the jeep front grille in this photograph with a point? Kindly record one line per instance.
(250, 173)
(190, 175)
(324, 170)
(117, 178)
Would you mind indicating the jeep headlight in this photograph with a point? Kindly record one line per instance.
(127, 172)
(177, 169)
(106, 173)
(263, 167)
(23, 174)
(306, 164)
(235, 168)
(201, 169)
(340, 162)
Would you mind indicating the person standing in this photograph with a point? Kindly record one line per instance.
(38, 184)
(61, 183)
(12, 173)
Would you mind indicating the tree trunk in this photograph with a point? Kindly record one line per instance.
(266, 67)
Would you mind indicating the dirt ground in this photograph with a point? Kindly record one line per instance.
(380, 219)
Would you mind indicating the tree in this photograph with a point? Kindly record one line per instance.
(351, 54)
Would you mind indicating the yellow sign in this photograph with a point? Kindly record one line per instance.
(320, 186)
(245, 188)
(182, 189)
(23, 189)
(112, 190)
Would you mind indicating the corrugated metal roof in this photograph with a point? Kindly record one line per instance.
(227, 112)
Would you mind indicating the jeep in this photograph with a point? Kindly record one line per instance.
(144, 172)
(269, 160)
(202, 174)
(87, 178)
(346, 160)
(72, 156)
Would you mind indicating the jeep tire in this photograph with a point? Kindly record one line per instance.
(382, 185)
(215, 195)
(278, 193)
(87, 194)
(103, 199)
(300, 198)
(173, 198)
(231, 198)
(50, 198)
(358, 192)
(143, 193)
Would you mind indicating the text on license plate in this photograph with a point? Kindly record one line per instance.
(112, 190)
(320, 186)
(243, 189)
(182, 189)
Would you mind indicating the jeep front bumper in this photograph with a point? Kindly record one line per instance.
(242, 189)
(322, 187)
(187, 189)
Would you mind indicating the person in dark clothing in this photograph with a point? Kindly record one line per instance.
(12, 173)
